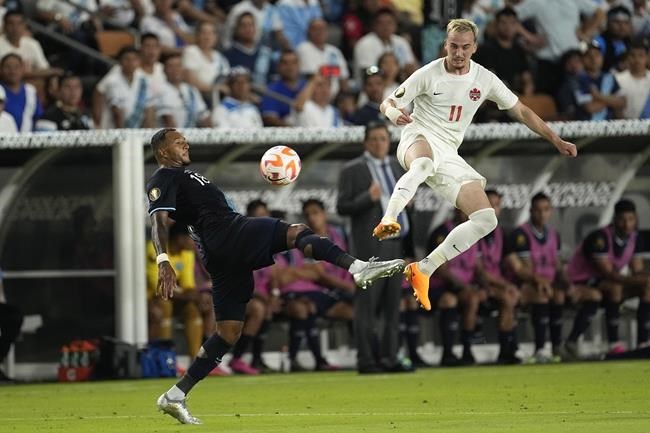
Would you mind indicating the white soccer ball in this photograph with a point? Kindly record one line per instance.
(280, 165)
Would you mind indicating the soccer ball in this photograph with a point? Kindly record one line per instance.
(280, 165)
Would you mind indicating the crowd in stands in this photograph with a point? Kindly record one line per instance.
(257, 62)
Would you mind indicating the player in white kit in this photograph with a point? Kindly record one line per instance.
(446, 94)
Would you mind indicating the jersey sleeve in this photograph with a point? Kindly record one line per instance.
(519, 243)
(161, 193)
(596, 245)
(500, 94)
(414, 85)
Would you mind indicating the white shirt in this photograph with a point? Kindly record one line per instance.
(29, 49)
(636, 92)
(184, 103)
(369, 48)
(557, 21)
(312, 58)
(232, 113)
(157, 80)
(444, 104)
(7, 123)
(167, 37)
(75, 15)
(266, 19)
(315, 116)
(207, 70)
(132, 98)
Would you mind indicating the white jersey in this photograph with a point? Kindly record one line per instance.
(444, 103)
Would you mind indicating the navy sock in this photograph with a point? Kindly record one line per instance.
(555, 323)
(241, 345)
(321, 248)
(296, 335)
(466, 339)
(506, 342)
(412, 333)
(448, 328)
(258, 342)
(313, 338)
(209, 357)
(583, 320)
(612, 317)
(540, 323)
(643, 322)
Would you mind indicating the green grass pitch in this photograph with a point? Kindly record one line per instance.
(585, 398)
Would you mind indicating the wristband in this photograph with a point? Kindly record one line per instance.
(393, 113)
(163, 257)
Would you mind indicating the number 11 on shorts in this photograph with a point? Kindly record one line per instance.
(456, 110)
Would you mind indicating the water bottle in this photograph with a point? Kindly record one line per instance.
(65, 356)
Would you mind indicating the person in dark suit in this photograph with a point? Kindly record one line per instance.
(365, 185)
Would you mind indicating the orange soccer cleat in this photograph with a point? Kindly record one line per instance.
(420, 283)
(385, 229)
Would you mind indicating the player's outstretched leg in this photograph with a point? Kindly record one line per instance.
(321, 248)
(405, 188)
(463, 236)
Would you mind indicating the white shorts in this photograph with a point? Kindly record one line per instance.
(450, 170)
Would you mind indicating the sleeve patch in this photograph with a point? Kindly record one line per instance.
(154, 194)
(400, 92)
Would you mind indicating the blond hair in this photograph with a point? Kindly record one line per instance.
(461, 25)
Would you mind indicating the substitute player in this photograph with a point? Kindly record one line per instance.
(446, 94)
(232, 246)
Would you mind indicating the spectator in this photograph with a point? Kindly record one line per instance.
(615, 41)
(195, 11)
(65, 114)
(365, 185)
(641, 19)
(22, 102)
(599, 96)
(504, 56)
(79, 23)
(346, 104)
(246, 52)
(182, 105)
(170, 27)
(312, 107)
(236, 110)
(635, 82)
(16, 40)
(268, 25)
(559, 22)
(7, 122)
(389, 67)
(373, 87)
(566, 97)
(357, 22)
(317, 56)
(125, 99)
(275, 111)
(122, 13)
(11, 320)
(296, 16)
(205, 67)
(381, 40)
(182, 258)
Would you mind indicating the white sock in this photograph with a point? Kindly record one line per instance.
(407, 185)
(458, 240)
(356, 266)
(175, 393)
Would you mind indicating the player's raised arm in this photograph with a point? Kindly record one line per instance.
(528, 117)
(396, 115)
(160, 223)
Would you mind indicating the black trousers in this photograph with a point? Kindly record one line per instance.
(11, 319)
